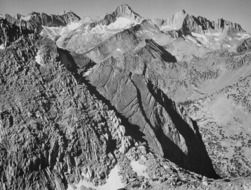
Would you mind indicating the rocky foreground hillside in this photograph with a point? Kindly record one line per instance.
(123, 103)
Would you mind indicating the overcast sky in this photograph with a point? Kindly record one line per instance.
(234, 10)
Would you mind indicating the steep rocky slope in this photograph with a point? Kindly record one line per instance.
(183, 35)
(57, 132)
(13, 27)
(245, 45)
(149, 109)
(52, 127)
(224, 120)
(187, 23)
(123, 10)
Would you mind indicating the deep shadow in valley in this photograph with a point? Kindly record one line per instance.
(197, 158)
(73, 66)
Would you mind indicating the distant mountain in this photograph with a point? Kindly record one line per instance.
(14, 27)
(36, 19)
(174, 22)
(124, 11)
(187, 23)
(245, 45)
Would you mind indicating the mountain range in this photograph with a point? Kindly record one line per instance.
(124, 102)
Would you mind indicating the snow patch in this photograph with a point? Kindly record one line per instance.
(167, 28)
(70, 27)
(121, 23)
(113, 182)
(227, 45)
(140, 169)
(53, 32)
(2, 46)
(213, 33)
(98, 29)
(242, 36)
(39, 58)
(229, 38)
(26, 18)
(201, 37)
(191, 39)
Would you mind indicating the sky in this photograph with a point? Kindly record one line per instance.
(234, 10)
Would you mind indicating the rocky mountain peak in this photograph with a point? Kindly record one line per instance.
(178, 18)
(125, 10)
(13, 27)
(201, 24)
(174, 22)
(186, 23)
(181, 12)
(71, 16)
(231, 26)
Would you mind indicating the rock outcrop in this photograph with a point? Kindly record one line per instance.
(52, 127)
(121, 11)
(201, 24)
(57, 130)
(127, 83)
(174, 22)
(186, 23)
(11, 28)
(244, 46)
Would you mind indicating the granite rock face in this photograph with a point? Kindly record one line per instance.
(167, 131)
(173, 22)
(123, 10)
(200, 25)
(244, 46)
(189, 23)
(57, 130)
(35, 20)
(11, 28)
(52, 127)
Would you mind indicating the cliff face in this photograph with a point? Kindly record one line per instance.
(121, 11)
(52, 127)
(35, 19)
(11, 28)
(244, 46)
(201, 24)
(188, 23)
(167, 131)
(59, 131)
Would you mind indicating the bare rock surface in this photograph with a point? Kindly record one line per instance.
(123, 10)
(52, 127)
(11, 28)
(245, 45)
